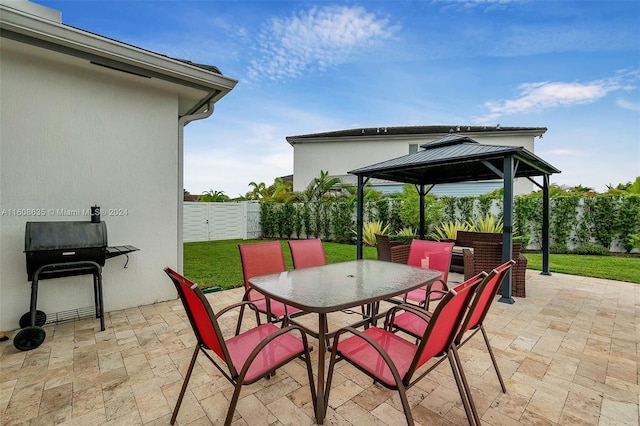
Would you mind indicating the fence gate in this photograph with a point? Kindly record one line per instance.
(220, 221)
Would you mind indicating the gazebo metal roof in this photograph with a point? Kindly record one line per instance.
(456, 158)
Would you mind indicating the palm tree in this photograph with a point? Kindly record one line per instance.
(212, 196)
(278, 191)
(320, 187)
(257, 192)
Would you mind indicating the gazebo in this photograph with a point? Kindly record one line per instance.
(458, 158)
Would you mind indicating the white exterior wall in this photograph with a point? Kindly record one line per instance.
(73, 135)
(339, 155)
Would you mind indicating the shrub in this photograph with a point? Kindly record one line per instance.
(524, 239)
(410, 208)
(634, 240)
(406, 235)
(558, 249)
(594, 249)
(449, 230)
(369, 231)
(487, 223)
(343, 220)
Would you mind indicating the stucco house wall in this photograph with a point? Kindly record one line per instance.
(73, 135)
(341, 151)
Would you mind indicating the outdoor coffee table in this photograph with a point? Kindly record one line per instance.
(338, 286)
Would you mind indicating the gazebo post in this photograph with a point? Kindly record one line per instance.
(545, 225)
(359, 217)
(507, 219)
(421, 191)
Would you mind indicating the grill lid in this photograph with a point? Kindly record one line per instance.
(41, 236)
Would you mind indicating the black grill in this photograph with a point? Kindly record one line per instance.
(63, 249)
(47, 243)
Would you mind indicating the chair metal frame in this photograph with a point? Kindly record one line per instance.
(443, 325)
(417, 251)
(209, 336)
(271, 260)
(474, 319)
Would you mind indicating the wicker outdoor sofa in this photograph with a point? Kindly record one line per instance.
(473, 252)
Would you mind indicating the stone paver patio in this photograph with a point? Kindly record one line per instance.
(568, 352)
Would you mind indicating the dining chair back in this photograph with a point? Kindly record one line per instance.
(247, 357)
(393, 361)
(430, 255)
(261, 259)
(445, 322)
(414, 325)
(306, 253)
(478, 310)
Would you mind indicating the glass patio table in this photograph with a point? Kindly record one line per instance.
(338, 286)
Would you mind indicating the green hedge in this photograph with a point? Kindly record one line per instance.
(607, 220)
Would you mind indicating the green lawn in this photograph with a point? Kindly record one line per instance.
(609, 267)
(217, 263)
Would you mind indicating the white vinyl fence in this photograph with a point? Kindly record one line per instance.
(221, 221)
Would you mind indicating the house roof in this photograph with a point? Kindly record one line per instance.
(430, 131)
(456, 158)
(197, 84)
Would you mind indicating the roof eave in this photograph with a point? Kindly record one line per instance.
(536, 165)
(72, 41)
(413, 132)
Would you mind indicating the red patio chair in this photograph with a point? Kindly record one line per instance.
(247, 357)
(430, 255)
(392, 361)
(473, 321)
(306, 253)
(261, 259)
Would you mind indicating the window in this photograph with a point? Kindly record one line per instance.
(413, 148)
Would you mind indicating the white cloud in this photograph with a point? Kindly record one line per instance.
(315, 39)
(535, 97)
(632, 106)
(472, 4)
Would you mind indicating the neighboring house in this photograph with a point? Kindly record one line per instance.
(87, 120)
(344, 150)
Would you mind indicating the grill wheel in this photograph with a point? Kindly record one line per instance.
(25, 320)
(29, 338)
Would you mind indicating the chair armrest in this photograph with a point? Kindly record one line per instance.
(419, 312)
(522, 259)
(400, 253)
(234, 306)
(256, 351)
(468, 262)
(376, 346)
(241, 305)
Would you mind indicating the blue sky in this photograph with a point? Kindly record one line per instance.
(306, 67)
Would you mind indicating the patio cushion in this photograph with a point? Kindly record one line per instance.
(458, 249)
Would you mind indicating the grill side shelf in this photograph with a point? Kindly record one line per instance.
(113, 251)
